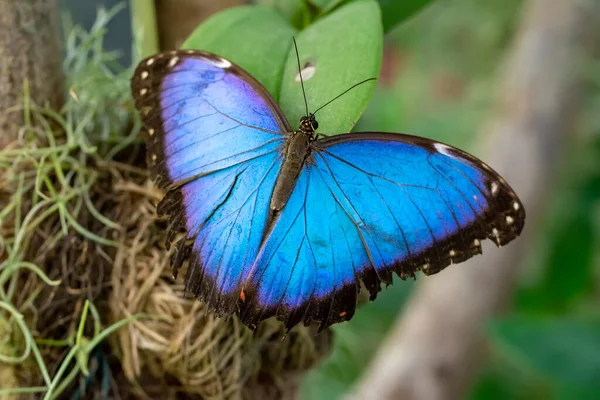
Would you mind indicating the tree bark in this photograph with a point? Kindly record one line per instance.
(30, 51)
(177, 19)
(436, 346)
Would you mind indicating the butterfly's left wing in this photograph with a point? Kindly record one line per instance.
(366, 205)
(214, 144)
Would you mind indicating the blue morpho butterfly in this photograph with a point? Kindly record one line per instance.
(283, 223)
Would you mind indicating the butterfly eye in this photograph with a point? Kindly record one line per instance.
(315, 124)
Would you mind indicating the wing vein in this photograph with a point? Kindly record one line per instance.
(367, 250)
(401, 186)
(393, 216)
(189, 122)
(226, 158)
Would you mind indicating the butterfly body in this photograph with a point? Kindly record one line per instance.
(297, 151)
(286, 224)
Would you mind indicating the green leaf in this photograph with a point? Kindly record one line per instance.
(287, 8)
(569, 274)
(395, 11)
(570, 393)
(325, 6)
(298, 12)
(500, 381)
(566, 351)
(345, 47)
(256, 38)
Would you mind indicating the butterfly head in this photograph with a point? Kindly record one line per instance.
(309, 124)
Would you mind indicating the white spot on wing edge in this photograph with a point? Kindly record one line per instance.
(476, 242)
(495, 187)
(218, 62)
(443, 149)
(509, 219)
(153, 157)
(516, 206)
(173, 61)
(497, 234)
(150, 61)
(151, 132)
(143, 91)
(144, 74)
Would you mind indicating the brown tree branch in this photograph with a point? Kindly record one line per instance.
(435, 348)
(30, 50)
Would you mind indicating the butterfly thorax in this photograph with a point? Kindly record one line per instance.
(297, 151)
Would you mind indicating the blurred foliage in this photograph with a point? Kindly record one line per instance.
(562, 351)
(569, 249)
(553, 332)
(394, 12)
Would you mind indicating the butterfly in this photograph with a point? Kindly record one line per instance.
(281, 222)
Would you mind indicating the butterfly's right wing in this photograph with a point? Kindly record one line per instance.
(367, 205)
(214, 144)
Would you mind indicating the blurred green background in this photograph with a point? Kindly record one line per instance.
(439, 79)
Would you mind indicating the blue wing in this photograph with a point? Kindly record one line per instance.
(366, 205)
(214, 143)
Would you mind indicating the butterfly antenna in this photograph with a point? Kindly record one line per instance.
(344, 92)
(300, 73)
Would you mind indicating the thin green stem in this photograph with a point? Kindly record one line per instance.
(145, 28)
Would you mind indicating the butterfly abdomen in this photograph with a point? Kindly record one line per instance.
(297, 150)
